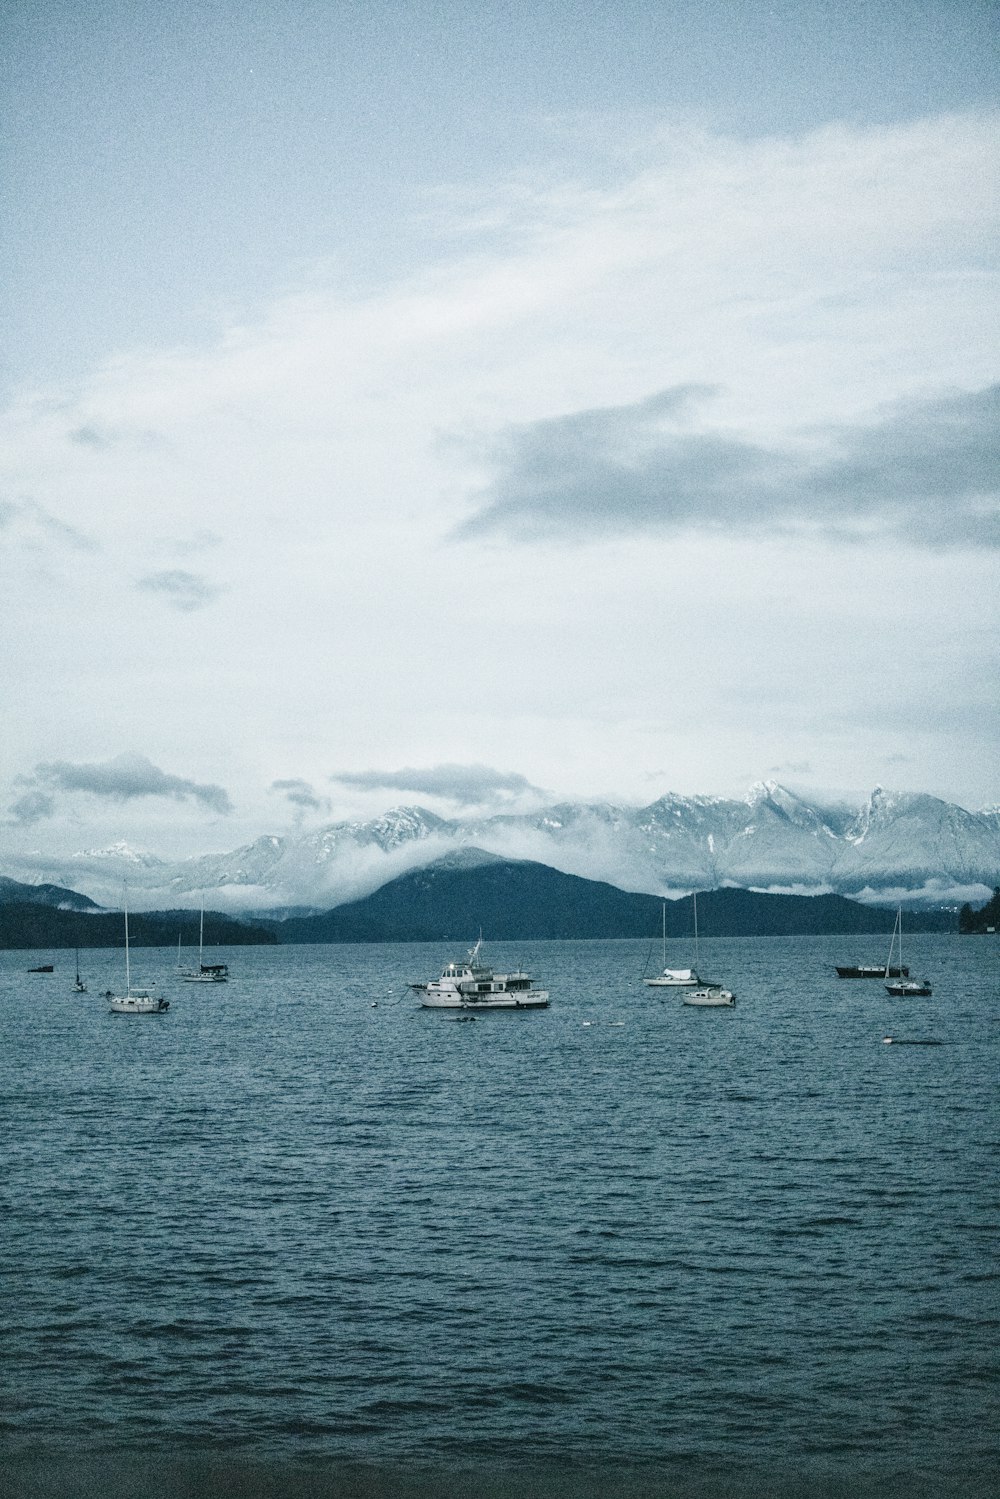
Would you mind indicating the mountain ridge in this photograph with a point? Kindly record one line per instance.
(908, 846)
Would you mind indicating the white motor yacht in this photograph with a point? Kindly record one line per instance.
(473, 985)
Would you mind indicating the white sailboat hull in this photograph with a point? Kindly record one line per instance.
(137, 1004)
(138, 1001)
(710, 999)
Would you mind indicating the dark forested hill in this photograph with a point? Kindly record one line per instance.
(519, 899)
(31, 925)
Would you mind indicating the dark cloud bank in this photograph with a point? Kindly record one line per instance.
(300, 794)
(126, 778)
(928, 472)
(466, 784)
(180, 589)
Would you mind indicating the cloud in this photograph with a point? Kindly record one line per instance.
(126, 778)
(924, 471)
(101, 436)
(33, 806)
(180, 589)
(90, 437)
(31, 525)
(468, 785)
(301, 795)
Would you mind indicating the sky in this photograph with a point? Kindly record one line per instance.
(479, 405)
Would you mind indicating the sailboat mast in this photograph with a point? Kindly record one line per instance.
(128, 972)
(201, 936)
(664, 936)
(896, 927)
(697, 959)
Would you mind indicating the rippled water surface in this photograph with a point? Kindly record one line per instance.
(298, 1236)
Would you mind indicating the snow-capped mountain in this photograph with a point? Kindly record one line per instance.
(909, 846)
(772, 840)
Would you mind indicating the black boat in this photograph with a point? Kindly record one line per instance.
(871, 971)
(42, 968)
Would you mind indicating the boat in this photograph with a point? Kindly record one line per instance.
(79, 987)
(881, 971)
(473, 985)
(42, 968)
(902, 987)
(676, 978)
(205, 973)
(134, 1001)
(871, 971)
(909, 988)
(711, 997)
(706, 994)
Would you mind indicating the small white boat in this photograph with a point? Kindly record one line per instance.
(205, 973)
(710, 998)
(134, 1001)
(677, 978)
(701, 993)
(902, 988)
(138, 1002)
(474, 986)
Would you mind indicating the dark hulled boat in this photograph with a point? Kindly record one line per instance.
(871, 971)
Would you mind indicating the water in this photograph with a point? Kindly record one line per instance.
(299, 1237)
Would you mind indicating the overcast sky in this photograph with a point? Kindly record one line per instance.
(472, 404)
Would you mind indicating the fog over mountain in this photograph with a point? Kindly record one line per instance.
(909, 847)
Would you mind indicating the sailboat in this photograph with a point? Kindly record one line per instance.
(676, 978)
(709, 995)
(205, 973)
(134, 1001)
(902, 988)
(79, 987)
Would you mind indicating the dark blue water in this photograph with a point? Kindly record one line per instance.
(287, 1240)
